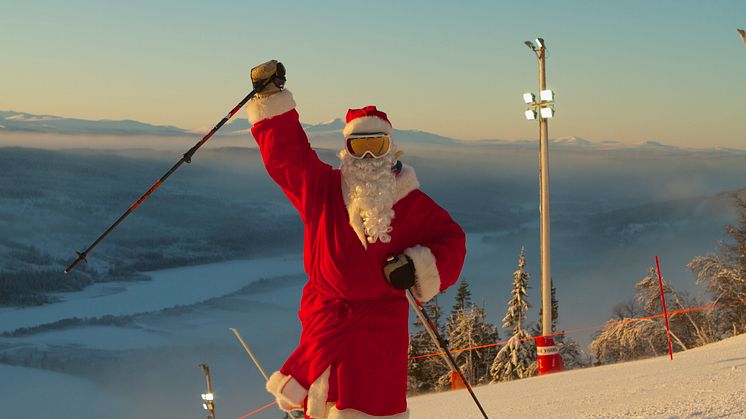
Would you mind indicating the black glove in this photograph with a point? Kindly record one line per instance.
(271, 70)
(399, 271)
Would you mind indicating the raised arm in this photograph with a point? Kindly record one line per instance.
(286, 152)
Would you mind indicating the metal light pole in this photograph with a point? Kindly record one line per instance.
(549, 358)
(545, 111)
(546, 260)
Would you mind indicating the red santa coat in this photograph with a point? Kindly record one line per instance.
(352, 357)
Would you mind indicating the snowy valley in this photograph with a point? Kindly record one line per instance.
(219, 247)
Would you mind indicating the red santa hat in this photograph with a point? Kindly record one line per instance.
(367, 120)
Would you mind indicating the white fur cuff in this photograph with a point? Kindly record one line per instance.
(261, 108)
(288, 392)
(427, 278)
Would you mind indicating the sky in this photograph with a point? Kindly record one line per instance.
(631, 71)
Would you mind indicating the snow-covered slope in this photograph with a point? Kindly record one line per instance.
(704, 382)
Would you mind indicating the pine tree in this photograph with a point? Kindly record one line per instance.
(463, 297)
(518, 305)
(516, 359)
(467, 328)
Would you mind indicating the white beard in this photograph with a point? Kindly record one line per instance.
(369, 188)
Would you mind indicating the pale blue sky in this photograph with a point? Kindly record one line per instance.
(671, 71)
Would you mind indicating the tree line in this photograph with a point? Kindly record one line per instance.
(635, 329)
(466, 327)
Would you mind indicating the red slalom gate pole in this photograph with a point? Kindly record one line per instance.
(186, 158)
(665, 311)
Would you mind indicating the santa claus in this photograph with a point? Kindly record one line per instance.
(370, 234)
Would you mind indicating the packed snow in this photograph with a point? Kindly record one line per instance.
(708, 382)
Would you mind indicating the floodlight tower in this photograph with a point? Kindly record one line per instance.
(543, 109)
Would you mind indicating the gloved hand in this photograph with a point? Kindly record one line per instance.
(399, 271)
(271, 70)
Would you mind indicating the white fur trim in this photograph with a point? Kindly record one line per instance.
(290, 395)
(287, 391)
(366, 125)
(335, 413)
(427, 278)
(261, 108)
(317, 406)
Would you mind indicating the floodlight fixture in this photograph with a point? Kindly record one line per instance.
(547, 112)
(530, 45)
(546, 95)
(208, 397)
(530, 114)
(529, 97)
(540, 42)
(205, 406)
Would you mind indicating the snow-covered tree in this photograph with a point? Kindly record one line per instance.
(424, 373)
(687, 329)
(518, 305)
(630, 334)
(516, 359)
(724, 276)
(628, 339)
(467, 328)
(573, 356)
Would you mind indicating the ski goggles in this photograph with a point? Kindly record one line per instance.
(375, 145)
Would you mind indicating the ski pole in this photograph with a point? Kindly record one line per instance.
(251, 354)
(186, 158)
(292, 414)
(441, 344)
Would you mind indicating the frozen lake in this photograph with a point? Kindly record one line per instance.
(168, 288)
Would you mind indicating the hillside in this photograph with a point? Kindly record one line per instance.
(709, 381)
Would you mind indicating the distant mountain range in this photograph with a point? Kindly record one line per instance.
(12, 121)
(26, 122)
